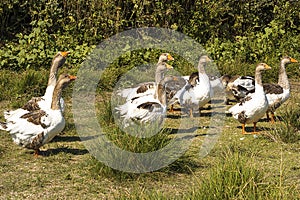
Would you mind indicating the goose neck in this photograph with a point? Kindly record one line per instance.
(201, 68)
(283, 78)
(53, 73)
(55, 105)
(161, 94)
(258, 81)
(159, 73)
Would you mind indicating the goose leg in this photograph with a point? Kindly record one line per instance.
(209, 105)
(243, 129)
(268, 117)
(191, 113)
(172, 109)
(254, 128)
(226, 101)
(36, 153)
(200, 112)
(272, 118)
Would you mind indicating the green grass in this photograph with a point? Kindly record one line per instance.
(238, 167)
(237, 177)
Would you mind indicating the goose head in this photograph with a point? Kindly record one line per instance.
(60, 58)
(58, 61)
(65, 79)
(204, 59)
(165, 57)
(288, 60)
(262, 67)
(202, 62)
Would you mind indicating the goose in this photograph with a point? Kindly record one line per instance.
(276, 94)
(43, 102)
(147, 108)
(197, 92)
(215, 81)
(148, 88)
(35, 128)
(237, 87)
(184, 81)
(253, 107)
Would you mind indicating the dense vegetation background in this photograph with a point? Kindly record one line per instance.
(236, 33)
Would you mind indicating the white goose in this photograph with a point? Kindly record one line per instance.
(253, 107)
(147, 108)
(148, 88)
(277, 94)
(174, 87)
(197, 92)
(43, 102)
(36, 128)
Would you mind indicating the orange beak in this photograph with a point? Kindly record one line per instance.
(170, 57)
(72, 77)
(267, 67)
(65, 53)
(169, 66)
(294, 60)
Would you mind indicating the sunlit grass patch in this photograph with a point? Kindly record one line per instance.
(287, 127)
(238, 177)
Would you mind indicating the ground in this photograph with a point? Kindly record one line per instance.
(66, 170)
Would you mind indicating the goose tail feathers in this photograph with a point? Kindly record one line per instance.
(3, 126)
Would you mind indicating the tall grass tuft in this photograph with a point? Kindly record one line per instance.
(234, 177)
(130, 140)
(104, 108)
(288, 130)
(20, 87)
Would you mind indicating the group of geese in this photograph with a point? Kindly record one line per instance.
(148, 102)
(41, 118)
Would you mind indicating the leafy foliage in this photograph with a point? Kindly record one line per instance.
(234, 32)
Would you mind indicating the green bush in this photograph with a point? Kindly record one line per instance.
(237, 34)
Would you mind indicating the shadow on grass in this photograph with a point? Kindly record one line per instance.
(195, 114)
(277, 119)
(173, 116)
(66, 139)
(250, 128)
(51, 152)
(183, 165)
(74, 138)
(189, 130)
